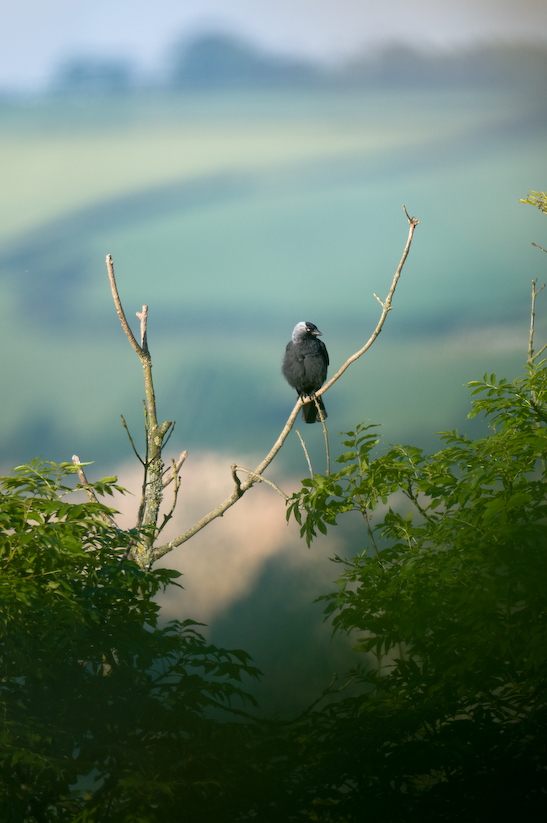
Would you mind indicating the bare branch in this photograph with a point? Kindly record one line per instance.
(143, 317)
(535, 293)
(156, 433)
(167, 517)
(117, 302)
(259, 479)
(305, 452)
(142, 504)
(539, 352)
(237, 481)
(325, 433)
(131, 441)
(240, 489)
(170, 474)
(539, 247)
(169, 432)
(386, 307)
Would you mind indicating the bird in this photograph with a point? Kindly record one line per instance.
(304, 367)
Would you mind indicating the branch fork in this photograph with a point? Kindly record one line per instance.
(157, 478)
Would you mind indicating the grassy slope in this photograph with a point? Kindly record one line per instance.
(234, 217)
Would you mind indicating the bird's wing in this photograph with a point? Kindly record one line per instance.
(324, 350)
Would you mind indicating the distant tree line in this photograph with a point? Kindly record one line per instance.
(221, 61)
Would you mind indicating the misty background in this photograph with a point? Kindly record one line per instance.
(246, 164)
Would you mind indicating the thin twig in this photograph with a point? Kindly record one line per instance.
(370, 532)
(535, 293)
(170, 432)
(305, 452)
(267, 721)
(142, 504)
(167, 517)
(324, 693)
(236, 480)
(105, 517)
(386, 307)
(531, 356)
(325, 432)
(539, 352)
(219, 510)
(259, 479)
(178, 464)
(131, 440)
(117, 302)
(539, 247)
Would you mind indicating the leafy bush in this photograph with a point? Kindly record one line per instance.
(447, 604)
(106, 714)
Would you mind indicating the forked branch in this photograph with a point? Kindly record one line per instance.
(386, 308)
(240, 487)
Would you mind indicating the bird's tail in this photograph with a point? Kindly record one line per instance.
(310, 412)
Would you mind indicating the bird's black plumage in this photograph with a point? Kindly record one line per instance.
(305, 367)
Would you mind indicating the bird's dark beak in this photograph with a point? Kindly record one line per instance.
(316, 332)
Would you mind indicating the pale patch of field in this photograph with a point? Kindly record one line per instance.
(222, 563)
(48, 172)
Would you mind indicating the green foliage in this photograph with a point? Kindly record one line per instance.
(537, 199)
(105, 712)
(447, 604)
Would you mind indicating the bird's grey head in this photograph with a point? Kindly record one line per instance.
(304, 329)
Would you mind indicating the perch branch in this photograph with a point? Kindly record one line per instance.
(239, 490)
(241, 487)
(386, 307)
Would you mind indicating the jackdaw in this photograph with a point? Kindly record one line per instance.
(305, 367)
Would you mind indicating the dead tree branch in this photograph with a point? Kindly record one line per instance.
(386, 308)
(240, 487)
(153, 485)
(170, 473)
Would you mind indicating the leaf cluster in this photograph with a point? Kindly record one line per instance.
(447, 605)
(537, 199)
(105, 712)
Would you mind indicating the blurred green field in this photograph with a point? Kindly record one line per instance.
(233, 216)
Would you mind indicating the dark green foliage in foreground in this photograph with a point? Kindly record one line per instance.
(446, 719)
(106, 716)
(103, 712)
(448, 604)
